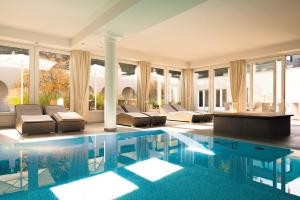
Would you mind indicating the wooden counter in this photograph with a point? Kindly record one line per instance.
(253, 124)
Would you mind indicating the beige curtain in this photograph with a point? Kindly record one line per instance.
(238, 84)
(80, 74)
(187, 97)
(143, 85)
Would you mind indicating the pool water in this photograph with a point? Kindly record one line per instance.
(147, 165)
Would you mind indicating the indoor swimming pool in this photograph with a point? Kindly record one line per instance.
(153, 164)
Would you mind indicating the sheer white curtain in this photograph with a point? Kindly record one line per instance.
(80, 74)
(188, 89)
(238, 84)
(143, 85)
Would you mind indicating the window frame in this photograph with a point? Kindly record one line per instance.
(167, 79)
(221, 89)
(30, 49)
(273, 59)
(37, 73)
(211, 89)
(210, 85)
(137, 76)
(97, 57)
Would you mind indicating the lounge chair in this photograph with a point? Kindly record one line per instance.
(207, 117)
(30, 120)
(65, 120)
(156, 117)
(184, 116)
(132, 119)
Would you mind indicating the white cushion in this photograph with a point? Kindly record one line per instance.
(36, 118)
(136, 114)
(68, 116)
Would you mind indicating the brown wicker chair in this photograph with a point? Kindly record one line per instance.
(65, 120)
(132, 119)
(156, 117)
(204, 116)
(30, 120)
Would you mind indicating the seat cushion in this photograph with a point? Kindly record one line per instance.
(35, 118)
(68, 116)
(137, 115)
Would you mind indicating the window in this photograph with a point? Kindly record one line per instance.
(218, 97)
(14, 79)
(127, 84)
(96, 85)
(222, 90)
(224, 97)
(248, 88)
(201, 98)
(206, 98)
(174, 87)
(201, 79)
(264, 82)
(278, 105)
(157, 88)
(263, 86)
(54, 74)
(292, 81)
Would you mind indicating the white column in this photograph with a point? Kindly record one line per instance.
(110, 84)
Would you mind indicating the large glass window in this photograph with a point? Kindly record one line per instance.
(263, 87)
(201, 97)
(157, 88)
(279, 105)
(96, 85)
(54, 73)
(222, 97)
(127, 84)
(14, 77)
(248, 88)
(174, 86)
(292, 82)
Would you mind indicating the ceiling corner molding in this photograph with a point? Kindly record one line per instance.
(34, 37)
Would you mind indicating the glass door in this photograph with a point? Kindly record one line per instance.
(157, 88)
(264, 86)
(15, 64)
(222, 94)
(201, 97)
(174, 86)
(292, 82)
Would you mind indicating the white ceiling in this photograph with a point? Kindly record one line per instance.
(218, 27)
(55, 17)
(155, 30)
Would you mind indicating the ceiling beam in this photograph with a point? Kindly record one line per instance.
(103, 19)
